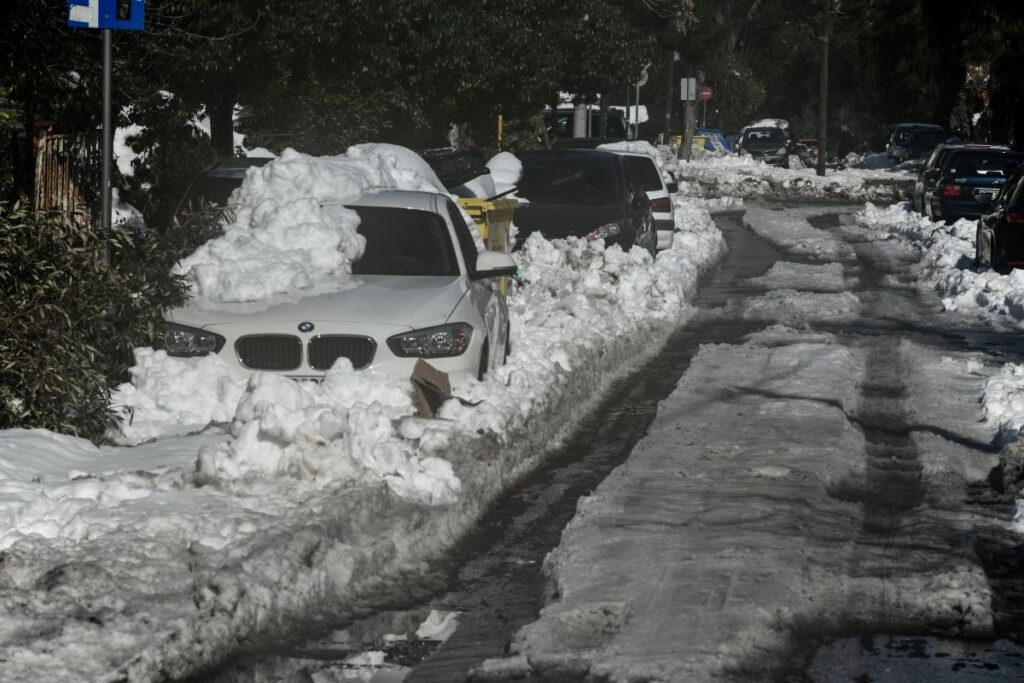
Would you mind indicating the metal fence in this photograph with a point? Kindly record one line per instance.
(67, 174)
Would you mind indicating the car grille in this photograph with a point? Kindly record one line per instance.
(269, 351)
(326, 349)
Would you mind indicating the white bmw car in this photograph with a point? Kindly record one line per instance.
(420, 290)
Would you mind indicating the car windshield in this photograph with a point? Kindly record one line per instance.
(984, 164)
(646, 172)
(569, 179)
(404, 242)
(927, 139)
(764, 135)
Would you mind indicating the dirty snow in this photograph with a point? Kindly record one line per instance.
(235, 508)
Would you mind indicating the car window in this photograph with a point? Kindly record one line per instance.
(764, 135)
(569, 179)
(404, 242)
(635, 189)
(981, 164)
(463, 234)
(646, 172)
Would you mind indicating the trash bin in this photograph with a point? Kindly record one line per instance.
(494, 219)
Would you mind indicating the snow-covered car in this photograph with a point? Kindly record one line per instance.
(658, 191)
(421, 289)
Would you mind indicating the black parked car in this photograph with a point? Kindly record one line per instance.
(583, 193)
(921, 143)
(999, 242)
(769, 144)
(215, 183)
(930, 173)
(969, 180)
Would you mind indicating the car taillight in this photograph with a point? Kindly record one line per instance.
(661, 205)
(951, 190)
(1014, 217)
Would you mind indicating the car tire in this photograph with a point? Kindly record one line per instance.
(482, 367)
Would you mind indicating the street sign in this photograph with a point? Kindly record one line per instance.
(107, 14)
(705, 93)
(688, 89)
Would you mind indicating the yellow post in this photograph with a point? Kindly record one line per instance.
(501, 122)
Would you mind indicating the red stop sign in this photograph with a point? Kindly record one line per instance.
(706, 92)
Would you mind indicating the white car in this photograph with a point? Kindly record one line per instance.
(420, 290)
(658, 191)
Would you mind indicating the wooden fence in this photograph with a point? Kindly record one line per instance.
(68, 174)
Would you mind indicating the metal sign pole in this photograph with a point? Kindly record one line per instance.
(108, 151)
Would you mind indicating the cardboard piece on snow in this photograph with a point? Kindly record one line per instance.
(431, 388)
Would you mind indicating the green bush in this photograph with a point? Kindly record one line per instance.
(70, 318)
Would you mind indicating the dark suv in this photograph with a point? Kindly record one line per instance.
(768, 144)
(999, 241)
(969, 180)
(583, 193)
(215, 183)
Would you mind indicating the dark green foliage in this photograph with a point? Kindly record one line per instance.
(70, 320)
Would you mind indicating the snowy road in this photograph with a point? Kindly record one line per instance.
(811, 480)
(809, 477)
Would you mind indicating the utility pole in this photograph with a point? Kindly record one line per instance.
(823, 95)
(671, 57)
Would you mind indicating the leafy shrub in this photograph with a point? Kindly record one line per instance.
(70, 319)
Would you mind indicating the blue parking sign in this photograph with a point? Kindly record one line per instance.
(116, 14)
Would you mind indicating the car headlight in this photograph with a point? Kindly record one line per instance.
(432, 342)
(605, 231)
(181, 340)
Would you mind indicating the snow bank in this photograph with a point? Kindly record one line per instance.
(286, 235)
(742, 176)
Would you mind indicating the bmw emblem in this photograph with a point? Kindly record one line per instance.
(305, 327)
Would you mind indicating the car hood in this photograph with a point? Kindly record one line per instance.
(413, 301)
(560, 220)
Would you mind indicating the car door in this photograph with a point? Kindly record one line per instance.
(989, 223)
(483, 295)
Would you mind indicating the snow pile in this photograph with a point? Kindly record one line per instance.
(506, 170)
(946, 263)
(1004, 399)
(289, 232)
(344, 429)
(743, 176)
(174, 396)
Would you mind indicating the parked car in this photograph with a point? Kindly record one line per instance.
(585, 143)
(215, 183)
(770, 144)
(968, 181)
(901, 136)
(658, 192)
(560, 122)
(583, 193)
(922, 142)
(999, 241)
(928, 174)
(420, 290)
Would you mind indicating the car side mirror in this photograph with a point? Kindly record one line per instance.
(491, 264)
(672, 187)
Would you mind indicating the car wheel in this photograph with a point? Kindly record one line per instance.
(482, 369)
